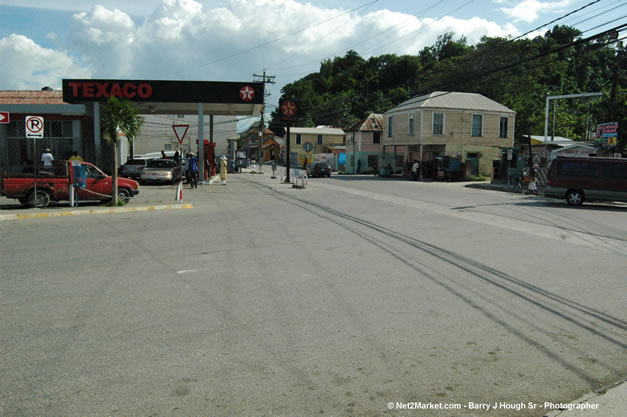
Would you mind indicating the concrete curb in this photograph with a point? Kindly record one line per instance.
(111, 210)
(609, 403)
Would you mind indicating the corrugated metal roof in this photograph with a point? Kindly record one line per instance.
(452, 100)
(31, 97)
(316, 130)
(371, 123)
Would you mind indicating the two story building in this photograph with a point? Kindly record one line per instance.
(363, 143)
(467, 126)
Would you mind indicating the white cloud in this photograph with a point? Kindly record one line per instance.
(182, 39)
(105, 38)
(29, 66)
(528, 10)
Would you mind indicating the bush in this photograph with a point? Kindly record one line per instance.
(476, 178)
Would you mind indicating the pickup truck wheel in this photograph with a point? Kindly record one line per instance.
(43, 199)
(124, 195)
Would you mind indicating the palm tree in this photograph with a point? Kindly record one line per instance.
(122, 115)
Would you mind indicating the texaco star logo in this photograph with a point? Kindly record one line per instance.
(288, 109)
(246, 93)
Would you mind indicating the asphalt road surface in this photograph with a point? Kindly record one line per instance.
(357, 296)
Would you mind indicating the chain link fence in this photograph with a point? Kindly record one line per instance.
(21, 150)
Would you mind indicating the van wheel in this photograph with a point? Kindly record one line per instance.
(43, 199)
(575, 197)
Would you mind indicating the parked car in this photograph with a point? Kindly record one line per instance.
(133, 168)
(161, 171)
(585, 179)
(319, 169)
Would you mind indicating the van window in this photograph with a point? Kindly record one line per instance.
(578, 168)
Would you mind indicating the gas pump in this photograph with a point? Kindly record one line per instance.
(208, 159)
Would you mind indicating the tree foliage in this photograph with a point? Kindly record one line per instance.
(122, 115)
(518, 73)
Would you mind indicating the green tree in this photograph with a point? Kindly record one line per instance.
(122, 115)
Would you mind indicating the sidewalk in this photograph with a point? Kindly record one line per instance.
(610, 403)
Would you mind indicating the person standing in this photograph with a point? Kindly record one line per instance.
(76, 157)
(358, 166)
(192, 170)
(163, 155)
(223, 170)
(414, 170)
(46, 160)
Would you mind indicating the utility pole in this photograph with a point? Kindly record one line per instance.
(265, 79)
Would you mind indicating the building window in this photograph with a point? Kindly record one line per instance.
(319, 139)
(412, 125)
(438, 124)
(167, 147)
(503, 127)
(376, 137)
(298, 139)
(477, 125)
(390, 121)
(373, 160)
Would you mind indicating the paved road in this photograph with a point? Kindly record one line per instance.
(335, 300)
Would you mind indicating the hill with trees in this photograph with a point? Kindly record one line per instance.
(518, 73)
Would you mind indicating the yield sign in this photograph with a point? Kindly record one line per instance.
(180, 131)
(4, 117)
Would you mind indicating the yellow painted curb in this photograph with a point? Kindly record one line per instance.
(96, 211)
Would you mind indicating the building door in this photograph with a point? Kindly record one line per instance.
(474, 159)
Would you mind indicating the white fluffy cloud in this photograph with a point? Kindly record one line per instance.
(28, 66)
(528, 10)
(182, 39)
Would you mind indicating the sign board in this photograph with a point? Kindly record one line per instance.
(288, 110)
(4, 117)
(308, 146)
(607, 134)
(34, 126)
(88, 90)
(180, 131)
(510, 154)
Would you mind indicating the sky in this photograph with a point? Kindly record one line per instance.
(44, 41)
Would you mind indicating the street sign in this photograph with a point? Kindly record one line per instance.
(180, 131)
(4, 117)
(308, 146)
(34, 127)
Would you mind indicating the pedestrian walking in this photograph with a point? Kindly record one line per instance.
(358, 166)
(46, 160)
(223, 170)
(192, 170)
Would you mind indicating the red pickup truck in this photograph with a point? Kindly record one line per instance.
(55, 185)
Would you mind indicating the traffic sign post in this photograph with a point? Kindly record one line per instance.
(34, 129)
(180, 131)
(288, 114)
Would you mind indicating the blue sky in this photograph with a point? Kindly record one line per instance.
(43, 41)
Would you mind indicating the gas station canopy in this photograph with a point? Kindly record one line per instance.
(171, 97)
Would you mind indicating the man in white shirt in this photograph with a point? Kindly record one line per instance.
(414, 170)
(46, 160)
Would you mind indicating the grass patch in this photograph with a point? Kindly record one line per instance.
(476, 178)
